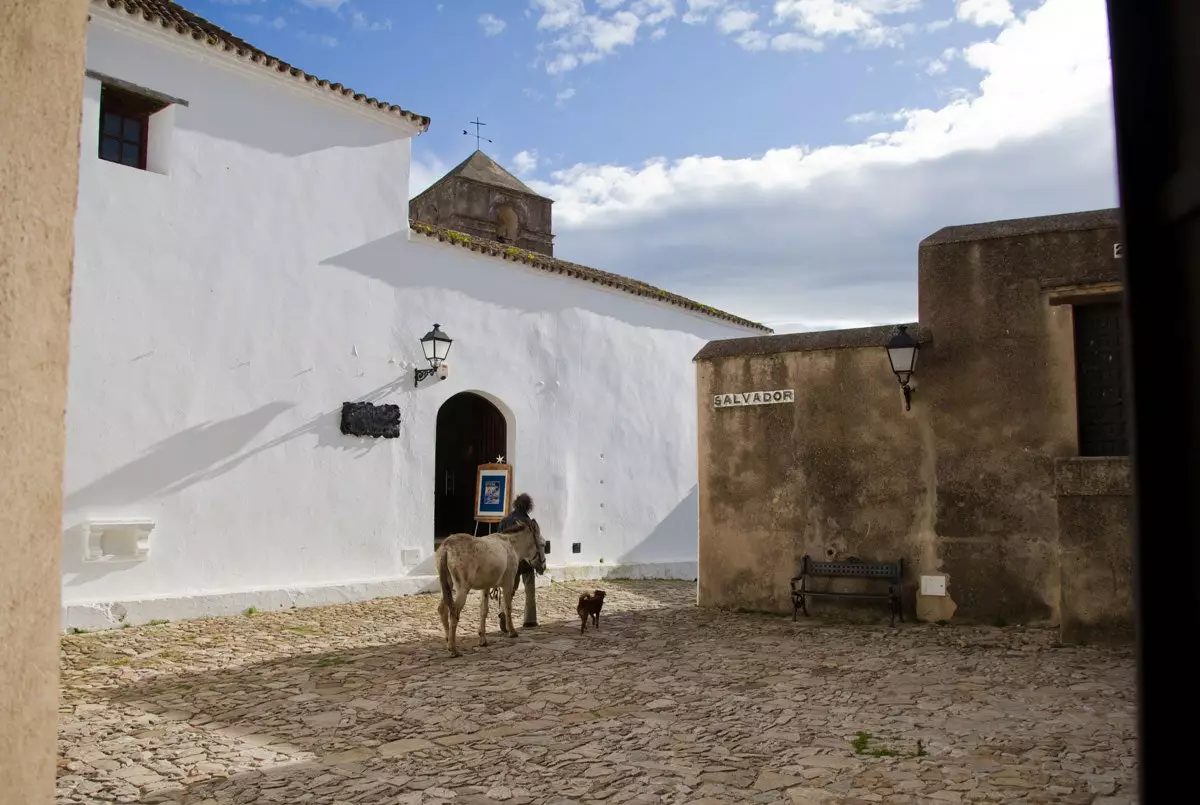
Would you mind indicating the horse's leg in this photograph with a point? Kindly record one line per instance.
(483, 608)
(460, 601)
(444, 614)
(530, 583)
(508, 588)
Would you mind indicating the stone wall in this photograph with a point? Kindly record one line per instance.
(1095, 512)
(472, 207)
(964, 484)
(41, 70)
(841, 471)
(998, 385)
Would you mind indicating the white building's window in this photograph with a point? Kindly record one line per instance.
(125, 125)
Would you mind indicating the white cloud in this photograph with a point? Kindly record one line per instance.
(360, 22)
(753, 40)
(331, 5)
(733, 20)
(795, 41)
(984, 12)
(864, 117)
(425, 170)
(275, 22)
(524, 162)
(324, 40)
(491, 24)
(584, 38)
(862, 20)
(803, 237)
(562, 96)
(698, 10)
(658, 33)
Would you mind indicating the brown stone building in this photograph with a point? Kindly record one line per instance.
(480, 198)
(1009, 476)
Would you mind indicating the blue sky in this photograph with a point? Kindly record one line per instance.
(779, 158)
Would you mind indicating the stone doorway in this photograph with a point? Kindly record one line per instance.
(470, 431)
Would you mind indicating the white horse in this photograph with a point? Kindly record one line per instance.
(466, 563)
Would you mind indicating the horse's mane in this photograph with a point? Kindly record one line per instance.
(532, 525)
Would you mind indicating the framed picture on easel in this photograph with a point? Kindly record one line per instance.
(493, 492)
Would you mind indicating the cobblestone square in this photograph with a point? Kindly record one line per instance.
(360, 703)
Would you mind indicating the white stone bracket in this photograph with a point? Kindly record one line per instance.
(117, 540)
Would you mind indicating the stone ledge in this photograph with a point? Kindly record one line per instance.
(858, 337)
(1109, 218)
(1085, 476)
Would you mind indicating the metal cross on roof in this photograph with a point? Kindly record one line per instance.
(477, 135)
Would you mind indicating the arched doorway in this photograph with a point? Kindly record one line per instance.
(470, 431)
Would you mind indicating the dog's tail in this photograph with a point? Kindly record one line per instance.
(443, 571)
(582, 598)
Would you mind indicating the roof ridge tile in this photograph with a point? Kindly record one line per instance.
(186, 23)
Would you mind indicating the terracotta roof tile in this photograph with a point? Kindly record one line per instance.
(173, 17)
(554, 265)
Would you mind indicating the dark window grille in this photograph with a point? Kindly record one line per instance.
(1100, 380)
(125, 126)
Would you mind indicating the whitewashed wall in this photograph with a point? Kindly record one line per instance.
(224, 309)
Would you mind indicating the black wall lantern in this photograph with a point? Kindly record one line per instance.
(902, 354)
(436, 346)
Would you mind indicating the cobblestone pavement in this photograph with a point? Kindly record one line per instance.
(360, 703)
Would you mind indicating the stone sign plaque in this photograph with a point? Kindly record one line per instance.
(741, 399)
(368, 419)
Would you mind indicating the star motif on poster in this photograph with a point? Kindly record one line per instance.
(499, 459)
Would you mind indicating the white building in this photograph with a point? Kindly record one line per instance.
(248, 270)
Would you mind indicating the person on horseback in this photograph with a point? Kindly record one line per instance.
(521, 509)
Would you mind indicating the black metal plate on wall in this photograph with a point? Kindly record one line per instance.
(368, 419)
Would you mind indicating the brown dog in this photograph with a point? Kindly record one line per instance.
(589, 605)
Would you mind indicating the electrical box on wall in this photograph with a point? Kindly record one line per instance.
(576, 547)
(933, 585)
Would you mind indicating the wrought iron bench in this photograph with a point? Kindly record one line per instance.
(851, 568)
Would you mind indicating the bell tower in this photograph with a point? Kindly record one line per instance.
(478, 197)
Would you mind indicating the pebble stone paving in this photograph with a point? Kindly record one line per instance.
(361, 703)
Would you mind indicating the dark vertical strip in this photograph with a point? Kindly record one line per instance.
(1157, 106)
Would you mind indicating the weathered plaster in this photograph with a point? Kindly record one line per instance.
(840, 472)
(999, 378)
(1095, 510)
(41, 67)
(964, 485)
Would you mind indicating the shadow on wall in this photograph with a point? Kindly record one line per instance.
(675, 538)
(177, 461)
(258, 115)
(476, 276)
(198, 454)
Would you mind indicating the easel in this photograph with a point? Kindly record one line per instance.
(492, 519)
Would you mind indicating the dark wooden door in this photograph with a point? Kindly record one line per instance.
(1100, 380)
(470, 431)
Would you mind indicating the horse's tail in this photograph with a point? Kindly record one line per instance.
(443, 571)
